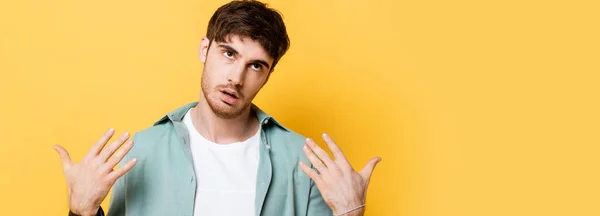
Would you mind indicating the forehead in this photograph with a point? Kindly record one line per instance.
(245, 47)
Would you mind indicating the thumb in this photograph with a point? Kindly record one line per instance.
(64, 156)
(367, 171)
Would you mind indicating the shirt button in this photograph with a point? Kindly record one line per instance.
(266, 121)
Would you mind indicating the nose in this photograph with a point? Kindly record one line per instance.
(236, 75)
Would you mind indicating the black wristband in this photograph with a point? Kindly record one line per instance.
(99, 213)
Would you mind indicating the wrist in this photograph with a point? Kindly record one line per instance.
(357, 210)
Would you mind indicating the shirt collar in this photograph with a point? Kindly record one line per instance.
(178, 114)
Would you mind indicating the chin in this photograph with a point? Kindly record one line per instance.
(223, 110)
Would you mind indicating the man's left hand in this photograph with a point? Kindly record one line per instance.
(342, 188)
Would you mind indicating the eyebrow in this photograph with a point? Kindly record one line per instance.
(235, 52)
(228, 48)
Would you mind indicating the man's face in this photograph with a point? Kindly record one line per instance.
(234, 72)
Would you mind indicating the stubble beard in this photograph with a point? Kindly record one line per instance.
(218, 107)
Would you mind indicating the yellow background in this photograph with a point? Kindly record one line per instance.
(477, 107)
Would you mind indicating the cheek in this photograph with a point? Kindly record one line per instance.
(254, 84)
(212, 70)
(210, 78)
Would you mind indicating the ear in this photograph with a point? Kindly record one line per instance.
(204, 44)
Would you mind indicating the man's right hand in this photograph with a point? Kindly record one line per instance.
(89, 181)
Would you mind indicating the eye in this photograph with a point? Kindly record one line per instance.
(228, 54)
(256, 66)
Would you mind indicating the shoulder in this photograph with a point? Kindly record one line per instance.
(154, 132)
(296, 139)
(283, 135)
(150, 139)
(287, 142)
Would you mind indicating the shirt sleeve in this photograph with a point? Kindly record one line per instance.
(117, 205)
(117, 199)
(316, 204)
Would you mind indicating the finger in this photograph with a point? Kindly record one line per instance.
(367, 171)
(312, 174)
(110, 149)
(114, 175)
(335, 149)
(322, 154)
(119, 155)
(65, 159)
(314, 159)
(97, 147)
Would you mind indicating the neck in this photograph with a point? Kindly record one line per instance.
(220, 130)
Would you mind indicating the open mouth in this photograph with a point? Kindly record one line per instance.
(233, 95)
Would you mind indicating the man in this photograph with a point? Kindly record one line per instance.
(221, 155)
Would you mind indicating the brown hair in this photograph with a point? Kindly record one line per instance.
(252, 19)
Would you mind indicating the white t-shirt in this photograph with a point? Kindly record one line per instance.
(226, 174)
